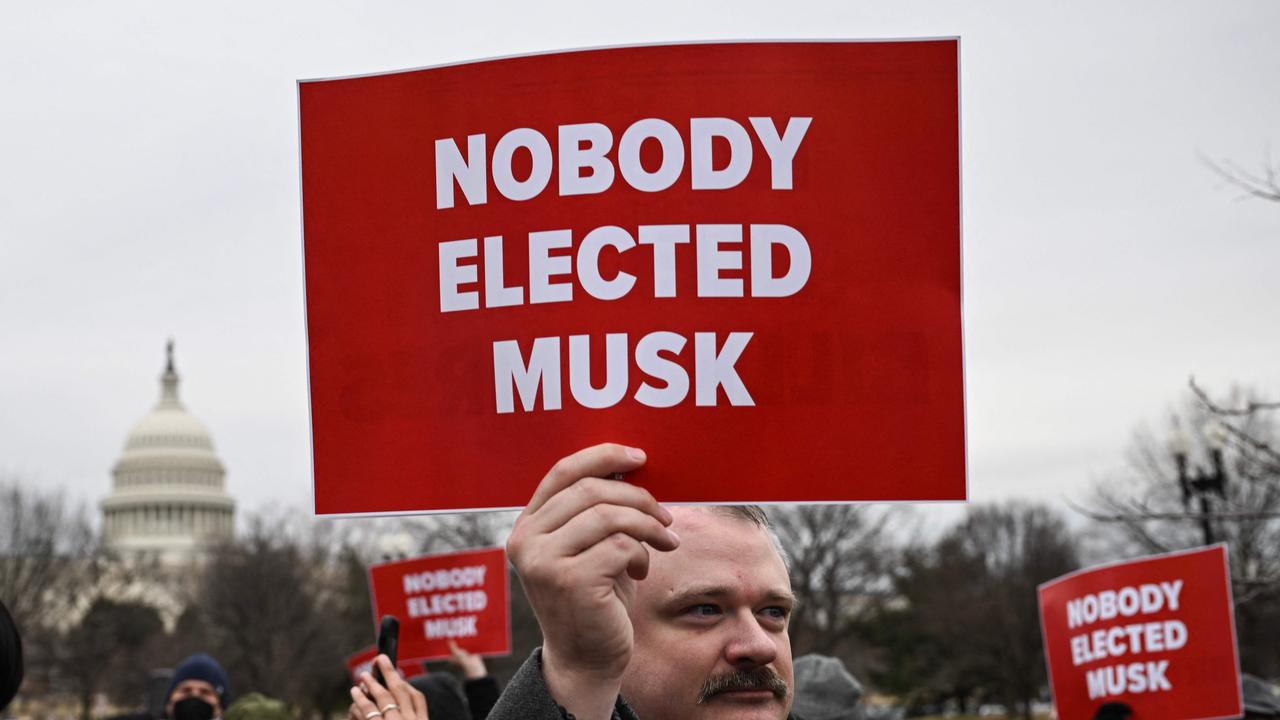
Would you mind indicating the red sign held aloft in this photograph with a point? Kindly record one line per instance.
(1156, 633)
(459, 596)
(742, 257)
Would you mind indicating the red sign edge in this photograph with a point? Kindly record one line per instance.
(628, 46)
(964, 368)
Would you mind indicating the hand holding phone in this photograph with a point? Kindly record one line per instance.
(389, 696)
(388, 640)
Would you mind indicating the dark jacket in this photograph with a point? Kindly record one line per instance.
(482, 694)
(447, 699)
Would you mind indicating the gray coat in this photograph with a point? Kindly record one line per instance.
(527, 698)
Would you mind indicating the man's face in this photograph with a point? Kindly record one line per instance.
(719, 603)
(194, 688)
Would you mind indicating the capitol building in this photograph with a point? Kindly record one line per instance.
(168, 501)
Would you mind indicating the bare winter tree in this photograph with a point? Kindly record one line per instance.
(1154, 511)
(964, 623)
(461, 531)
(1150, 503)
(839, 557)
(109, 650)
(1020, 546)
(268, 603)
(45, 548)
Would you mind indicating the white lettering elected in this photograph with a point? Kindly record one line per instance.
(717, 265)
(1121, 640)
(447, 603)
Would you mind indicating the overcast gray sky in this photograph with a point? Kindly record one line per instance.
(149, 187)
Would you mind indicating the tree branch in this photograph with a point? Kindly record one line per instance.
(1127, 517)
(1249, 408)
(1265, 187)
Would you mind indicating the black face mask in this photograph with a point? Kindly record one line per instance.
(192, 708)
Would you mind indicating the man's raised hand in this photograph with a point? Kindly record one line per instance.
(578, 546)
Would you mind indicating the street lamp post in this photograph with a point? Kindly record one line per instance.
(1200, 482)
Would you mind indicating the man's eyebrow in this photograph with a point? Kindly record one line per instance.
(720, 591)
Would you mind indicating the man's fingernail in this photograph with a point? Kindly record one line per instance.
(675, 539)
(635, 454)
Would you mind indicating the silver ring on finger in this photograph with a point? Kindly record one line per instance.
(372, 714)
(389, 708)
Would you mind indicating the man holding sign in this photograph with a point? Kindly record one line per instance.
(744, 254)
(695, 630)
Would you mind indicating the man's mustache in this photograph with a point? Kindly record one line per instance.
(760, 678)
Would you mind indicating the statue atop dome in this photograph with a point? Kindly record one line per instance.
(169, 381)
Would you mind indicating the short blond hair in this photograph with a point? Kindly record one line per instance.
(757, 516)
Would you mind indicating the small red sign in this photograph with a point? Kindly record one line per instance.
(362, 662)
(1156, 633)
(460, 596)
(743, 258)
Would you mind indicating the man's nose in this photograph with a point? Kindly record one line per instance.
(750, 645)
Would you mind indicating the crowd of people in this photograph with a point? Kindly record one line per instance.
(647, 612)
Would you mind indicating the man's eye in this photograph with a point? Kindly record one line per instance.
(703, 610)
(776, 613)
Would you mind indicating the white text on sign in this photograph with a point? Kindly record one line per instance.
(554, 263)
(1130, 639)
(446, 592)
(715, 253)
(585, 146)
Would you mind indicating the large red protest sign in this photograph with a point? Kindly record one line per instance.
(459, 596)
(742, 257)
(1156, 633)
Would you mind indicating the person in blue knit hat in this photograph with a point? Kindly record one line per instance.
(198, 690)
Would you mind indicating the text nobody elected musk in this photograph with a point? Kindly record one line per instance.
(556, 271)
(1135, 638)
(448, 600)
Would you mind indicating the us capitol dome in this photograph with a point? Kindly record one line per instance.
(168, 502)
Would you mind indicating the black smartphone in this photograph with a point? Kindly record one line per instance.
(388, 639)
